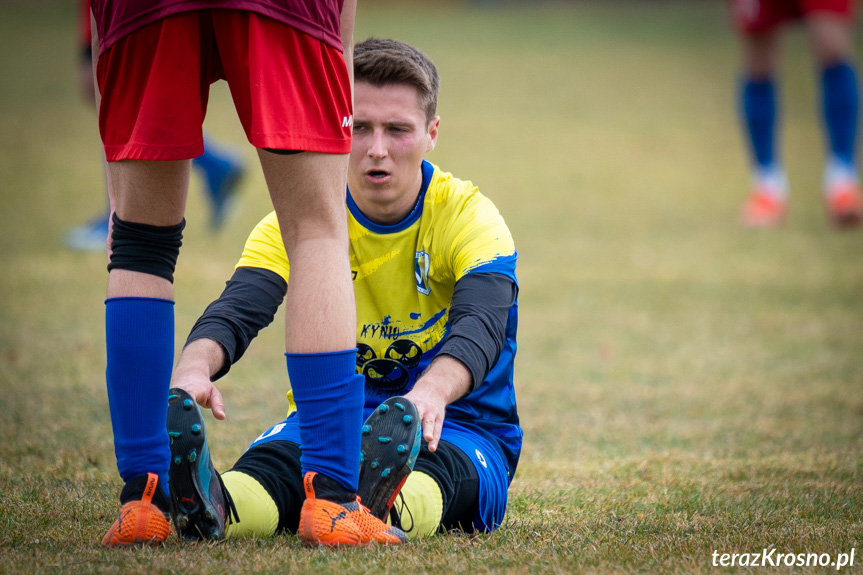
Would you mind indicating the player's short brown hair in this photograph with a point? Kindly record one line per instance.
(382, 61)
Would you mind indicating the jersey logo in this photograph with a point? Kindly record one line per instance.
(391, 372)
(270, 432)
(481, 458)
(347, 121)
(422, 265)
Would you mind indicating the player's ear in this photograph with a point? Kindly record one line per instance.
(433, 130)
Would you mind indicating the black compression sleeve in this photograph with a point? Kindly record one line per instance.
(478, 317)
(249, 303)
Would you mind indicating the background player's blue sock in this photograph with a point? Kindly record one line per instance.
(840, 101)
(221, 169)
(139, 336)
(214, 160)
(329, 395)
(759, 110)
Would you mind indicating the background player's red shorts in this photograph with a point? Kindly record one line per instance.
(291, 91)
(759, 16)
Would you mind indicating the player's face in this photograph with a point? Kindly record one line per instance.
(391, 136)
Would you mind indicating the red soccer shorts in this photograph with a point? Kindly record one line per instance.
(290, 90)
(754, 17)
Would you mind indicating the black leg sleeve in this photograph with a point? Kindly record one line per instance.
(276, 466)
(458, 481)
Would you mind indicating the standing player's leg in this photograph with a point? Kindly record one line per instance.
(139, 320)
(830, 36)
(149, 199)
(759, 111)
(297, 113)
(308, 193)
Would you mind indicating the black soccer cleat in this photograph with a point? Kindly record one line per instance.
(391, 440)
(200, 505)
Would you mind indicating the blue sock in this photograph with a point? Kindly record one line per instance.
(329, 395)
(759, 111)
(840, 100)
(139, 336)
(215, 163)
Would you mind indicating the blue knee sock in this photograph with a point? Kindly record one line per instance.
(139, 336)
(840, 100)
(329, 395)
(215, 163)
(759, 111)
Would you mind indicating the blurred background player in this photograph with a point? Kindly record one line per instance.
(287, 63)
(828, 24)
(220, 169)
(434, 274)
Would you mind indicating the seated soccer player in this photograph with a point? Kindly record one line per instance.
(433, 267)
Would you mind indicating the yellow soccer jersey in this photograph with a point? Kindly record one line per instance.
(404, 276)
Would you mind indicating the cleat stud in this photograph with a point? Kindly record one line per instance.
(178, 460)
(401, 449)
(383, 408)
(385, 439)
(187, 404)
(193, 456)
(172, 396)
(366, 429)
(400, 406)
(374, 464)
(407, 419)
(174, 434)
(182, 522)
(362, 456)
(196, 429)
(386, 471)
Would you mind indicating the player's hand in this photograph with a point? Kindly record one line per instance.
(193, 375)
(445, 380)
(431, 409)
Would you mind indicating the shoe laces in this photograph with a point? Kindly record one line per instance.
(233, 516)
(397, 515)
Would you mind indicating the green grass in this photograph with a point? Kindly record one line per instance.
(685, 386)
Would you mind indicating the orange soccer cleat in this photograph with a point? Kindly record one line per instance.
(140, 522)
(324, 522)
(844, 204)
(764, 209)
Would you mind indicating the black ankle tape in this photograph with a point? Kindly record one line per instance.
(134, 491)
(332, 490)
(146, 249)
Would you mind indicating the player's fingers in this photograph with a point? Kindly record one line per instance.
(428, 427)
(218, 406)
(438, 427)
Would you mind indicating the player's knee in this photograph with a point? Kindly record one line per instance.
(144, 248)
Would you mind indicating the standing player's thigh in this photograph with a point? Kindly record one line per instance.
(844, 8)
(153, 97)
(756, 17)
(291, 91)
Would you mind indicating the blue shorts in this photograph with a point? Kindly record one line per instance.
(489, 462)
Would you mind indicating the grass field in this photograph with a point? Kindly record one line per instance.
(685, 386)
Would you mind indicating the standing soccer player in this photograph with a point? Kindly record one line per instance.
(828, 24)
(285, 63)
